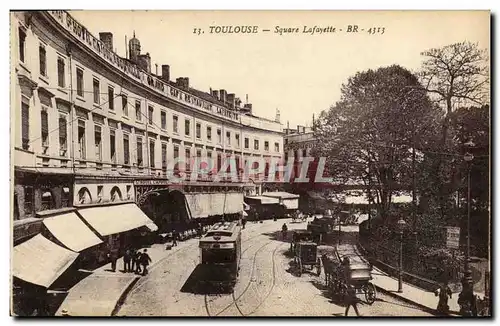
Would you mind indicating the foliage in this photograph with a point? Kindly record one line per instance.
(369, 133)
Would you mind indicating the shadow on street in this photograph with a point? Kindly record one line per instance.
(209, 279)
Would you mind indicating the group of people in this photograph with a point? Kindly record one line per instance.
(135, 261)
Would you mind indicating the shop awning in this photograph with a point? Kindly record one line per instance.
(114, 219)
(71, 231)
(152, 227)
(40, 261)
(264, 200)
(280, 195)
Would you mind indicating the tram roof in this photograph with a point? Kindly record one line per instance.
(225, 231)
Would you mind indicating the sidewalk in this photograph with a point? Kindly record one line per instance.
(99, 294)
(420, 297)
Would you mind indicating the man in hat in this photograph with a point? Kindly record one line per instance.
(145, 261)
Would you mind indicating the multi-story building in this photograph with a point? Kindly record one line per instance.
(91, 127)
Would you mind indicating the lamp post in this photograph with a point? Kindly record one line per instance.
(400, 227)
(467, 279)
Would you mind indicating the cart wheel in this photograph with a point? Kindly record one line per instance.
(370, 293)
(318, 268)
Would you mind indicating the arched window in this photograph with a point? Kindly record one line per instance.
(84, 196)
(116, 194)
(47, 200)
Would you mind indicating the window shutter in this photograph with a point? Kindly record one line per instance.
(63, 131)
(25, 117)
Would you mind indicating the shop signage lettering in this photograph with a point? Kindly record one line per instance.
(70, 24)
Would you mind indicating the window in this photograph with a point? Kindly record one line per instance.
(198, 130)
(47, 200)
(176, 123)
(219, 161)
(79, 82)
(22, 44)
(247, 143)
(126, 150)
(256, 144)
(188, 159)
(129, 192)
(84, 196)
(65, 197)
(163, 120)
(209, 154)
(139, 151)
(60, 72)
(219, 136)
(99, 193)
(125, 105)
(43, 60)
(176, 156)
(112, 146)
(138, 115)
(97, 90)
(209, 133)
(111, 98)
(29, 198)
(276, 147)
(304, 152)
(266, 146)
(115, 194)
(98, 143)
(151, 153)
(45, 127)
(150, 114)
(81, 138)
(187, 127)
(198, 153)
(63, 134)
(237, 139)
(228, 137)
(164, 157)
(25, 123)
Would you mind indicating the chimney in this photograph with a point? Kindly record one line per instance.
(223, 95)
(165, 72)
(107, 39)
(180, 82)
(156, 69)
(237, 102)
(145, 62)
(298, 129)
(215, 93)
(186, 82)
(230, 100)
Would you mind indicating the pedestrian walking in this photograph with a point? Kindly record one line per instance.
(351, 300)
(113, 256)
(467, 301)
(127, 256)
(137, 259)
(175, 236)
(284, 230)
(443, 292)
(145, 260)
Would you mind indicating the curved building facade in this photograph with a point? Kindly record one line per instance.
(93, 128)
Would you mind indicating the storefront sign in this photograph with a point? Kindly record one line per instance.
(131, 69)
(150, 183)
(452, 237)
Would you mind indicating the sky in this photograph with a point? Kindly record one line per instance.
(299, 74)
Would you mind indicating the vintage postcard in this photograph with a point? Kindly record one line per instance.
(250, 163)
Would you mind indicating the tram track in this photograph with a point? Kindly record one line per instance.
(249, 282)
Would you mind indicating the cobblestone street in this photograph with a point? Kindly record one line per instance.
(266, 285)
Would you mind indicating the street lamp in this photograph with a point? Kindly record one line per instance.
(467, 279)
(400, 227)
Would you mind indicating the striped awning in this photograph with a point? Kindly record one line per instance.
(71, 231)
(40, 261)
(114, 219)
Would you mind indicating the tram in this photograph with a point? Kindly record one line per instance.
(220, 254)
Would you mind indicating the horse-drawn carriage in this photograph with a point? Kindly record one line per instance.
(340, 272)
(321, 227)
(306, 257)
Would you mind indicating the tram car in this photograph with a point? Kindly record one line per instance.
(220, 254)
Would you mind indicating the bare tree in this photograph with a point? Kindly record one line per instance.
(456, 74)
